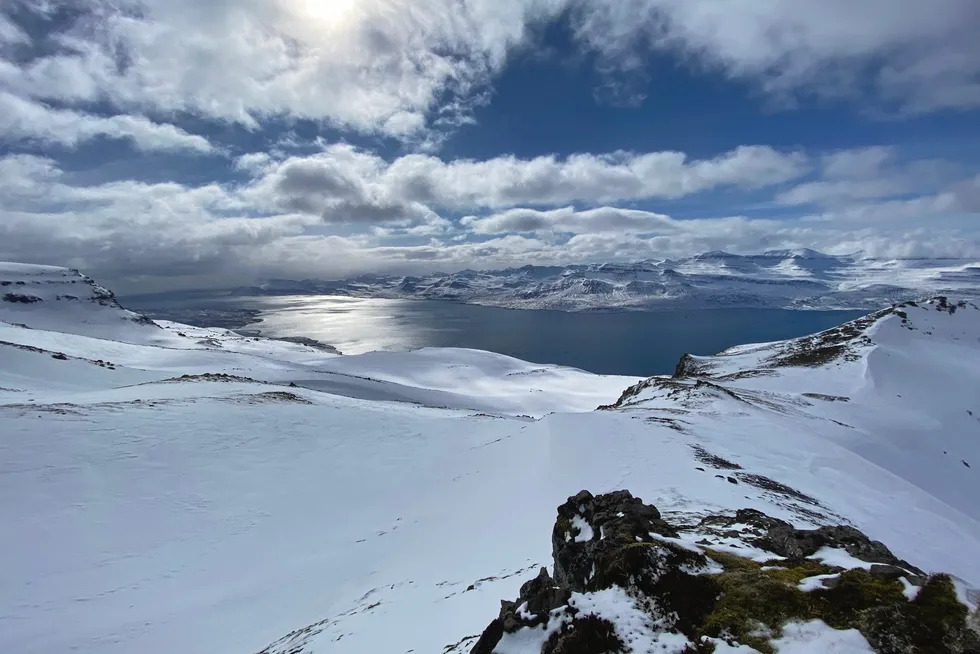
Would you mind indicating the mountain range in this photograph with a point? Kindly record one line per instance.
(793, 279)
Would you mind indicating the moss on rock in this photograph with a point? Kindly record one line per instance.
(759, 599)
(747, 602)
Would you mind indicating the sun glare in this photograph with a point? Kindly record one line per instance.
(329, 11)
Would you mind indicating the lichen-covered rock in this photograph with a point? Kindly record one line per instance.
(589, 528)
(627, 581)
(783, 539)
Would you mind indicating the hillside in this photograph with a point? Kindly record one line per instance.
(795, 279)
(168, 488)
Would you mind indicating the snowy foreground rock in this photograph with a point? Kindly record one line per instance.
(625, 580)
(166, 488)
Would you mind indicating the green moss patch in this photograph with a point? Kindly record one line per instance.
(755, 603)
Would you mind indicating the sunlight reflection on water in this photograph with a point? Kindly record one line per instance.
(627, 343)
(352, 325)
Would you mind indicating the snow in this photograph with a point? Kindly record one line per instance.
(910, 590)
(721, 647)
(815, 583)
(632, 624)
(388, 502)
(815, 637)
(839, 558)
(691, 540)
(527, 639)
(585, 532)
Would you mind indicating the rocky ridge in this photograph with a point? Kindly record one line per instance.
(626, 580)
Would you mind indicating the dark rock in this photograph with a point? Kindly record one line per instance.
(489, 638)
(882, 571)
(780, 537)
(542, 594)
(614, 518)
(586, 635)
(732, 480)
(688, 367)
(622, 550)
(767, 484)
(144, 320)
(538, 598)
(59, 357)
(713, 460)
(20, 298)
(614, 541)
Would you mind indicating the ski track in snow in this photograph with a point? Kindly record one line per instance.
(387, 502)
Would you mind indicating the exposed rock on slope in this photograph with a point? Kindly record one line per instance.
(627, 581)
(45, 296)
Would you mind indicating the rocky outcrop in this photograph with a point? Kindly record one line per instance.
(781, 538)
(625, 580)
(21, 298)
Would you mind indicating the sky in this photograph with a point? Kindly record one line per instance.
(164, 144)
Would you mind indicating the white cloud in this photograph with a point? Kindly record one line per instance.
(346, 184)
(253, 162)
(394, 66)
(567, 220)
(128, 227)
(10, 33)
(174, 235)
(371, 65)
(24, 120)
(867, 174)
(923, 55)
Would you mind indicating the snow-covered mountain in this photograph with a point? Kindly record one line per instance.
(797, 279)
(168, 488)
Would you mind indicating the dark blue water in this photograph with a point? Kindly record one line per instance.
(624, 343)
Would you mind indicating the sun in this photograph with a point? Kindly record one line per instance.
(328, 11)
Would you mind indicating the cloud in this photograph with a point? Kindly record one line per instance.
(24, 120)
(411, 68)
(868, 174)
(127, 228)
(340, 179)
(922, 56)
(168, 235)
(568, 220)
(371, 65)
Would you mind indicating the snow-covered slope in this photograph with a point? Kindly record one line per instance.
(797, 279)
(48, 297)
(177, 492)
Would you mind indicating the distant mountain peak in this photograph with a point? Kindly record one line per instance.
(717, 254)
(798, 253)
